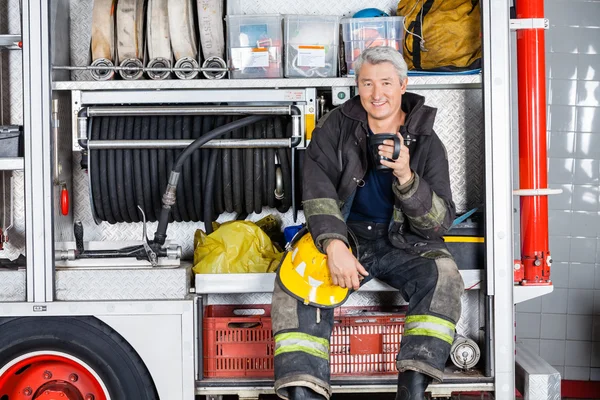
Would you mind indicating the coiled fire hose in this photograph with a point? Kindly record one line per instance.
(231, 180)
(159, 39)
(130, 37)
(182, 30)
(210, 20)
(103, 39)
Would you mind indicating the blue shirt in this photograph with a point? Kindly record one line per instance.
(374, 202)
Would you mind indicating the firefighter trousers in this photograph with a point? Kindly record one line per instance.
(429, 281)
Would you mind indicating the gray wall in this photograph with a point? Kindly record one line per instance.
(564, 326)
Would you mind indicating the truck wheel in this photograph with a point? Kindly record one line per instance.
(75, 358)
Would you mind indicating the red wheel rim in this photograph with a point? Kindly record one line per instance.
(50, 376)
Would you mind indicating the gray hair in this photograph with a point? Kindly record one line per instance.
(379, 54)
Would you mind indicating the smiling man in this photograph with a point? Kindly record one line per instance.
(399, 207)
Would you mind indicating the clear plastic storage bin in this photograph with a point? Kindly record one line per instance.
(362, 33)
(255, 46)
(311, 45)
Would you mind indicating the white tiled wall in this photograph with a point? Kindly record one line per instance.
(564, 327)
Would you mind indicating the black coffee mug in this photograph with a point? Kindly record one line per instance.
(375, 141)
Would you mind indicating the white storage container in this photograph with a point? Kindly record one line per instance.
(311, 45)
(362, 33)
(255, 46)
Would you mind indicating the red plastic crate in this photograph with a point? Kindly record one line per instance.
(363, 342)
(238, 345)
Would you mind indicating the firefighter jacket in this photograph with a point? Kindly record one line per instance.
(336, 162)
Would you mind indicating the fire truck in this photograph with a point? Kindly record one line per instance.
(98, 299)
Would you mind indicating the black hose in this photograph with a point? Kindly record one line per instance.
(226, 169)
(181, 195)
(120, 175)
(258, 177)
(286, 202)
(169, 167)
(137, 169)
(197, 168)
(162, 160)
(249, 173)
(207, 126)
(112, 176)
(270, 166)
(299, 177)
(148, 206)
(154, 181)
(132, 210)
(123, 179)
(96, 203)
(237, 165)
(104, 190)
(218, 185)
(161, 231)
(209, 190)
(186, 133)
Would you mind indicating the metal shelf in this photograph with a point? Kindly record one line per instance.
(524, 293)
(414, 83)
(263, 283)
(10, 42)
(11, 163)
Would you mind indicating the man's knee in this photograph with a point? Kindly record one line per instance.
(284, 310)
(446, 299)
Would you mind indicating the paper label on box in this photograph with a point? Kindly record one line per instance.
(244, 57)
(294, 95)
(311, 56)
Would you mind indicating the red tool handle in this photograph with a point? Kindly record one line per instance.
(64, 201)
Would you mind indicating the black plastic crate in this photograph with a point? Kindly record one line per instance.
(11, 141)
(466, 243)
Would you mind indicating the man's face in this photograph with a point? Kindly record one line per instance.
(380, 90)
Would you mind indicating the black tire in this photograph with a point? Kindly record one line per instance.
(86, 338)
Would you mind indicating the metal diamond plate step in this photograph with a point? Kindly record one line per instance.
(12, 285)
(123, 283)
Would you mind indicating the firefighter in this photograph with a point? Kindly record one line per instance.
(398, 206)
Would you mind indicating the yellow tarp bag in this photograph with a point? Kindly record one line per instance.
(234, 247)
(443, 35)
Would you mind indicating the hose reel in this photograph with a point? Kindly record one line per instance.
(242, 180)
(126, 171)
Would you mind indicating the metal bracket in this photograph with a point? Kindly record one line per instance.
(4, 235)
(151, 254)
(524, 293)
(536, 192)
(10, 129)
(529, 23)
(11, 42)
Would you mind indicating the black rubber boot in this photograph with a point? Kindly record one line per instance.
(303, 393)
(412, 385)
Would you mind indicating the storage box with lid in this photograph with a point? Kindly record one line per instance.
(255, 46)
(362, 33)
(11, 141)
(311, 45)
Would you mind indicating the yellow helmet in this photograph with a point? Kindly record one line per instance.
(304, 274)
